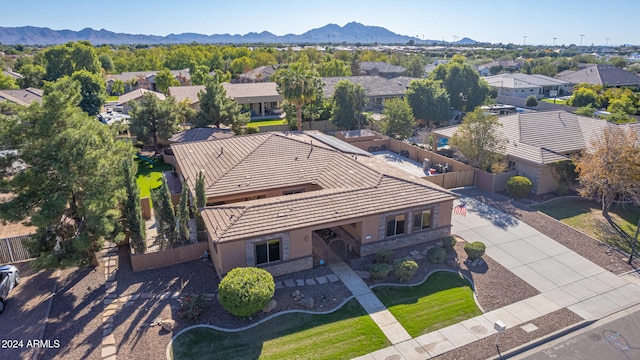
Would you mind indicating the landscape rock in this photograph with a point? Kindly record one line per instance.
(168, 324)
(363, 274)
(270, 306)
(307, 302)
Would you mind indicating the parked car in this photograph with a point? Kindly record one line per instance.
(9, 278)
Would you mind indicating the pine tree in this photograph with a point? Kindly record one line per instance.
(201, 201)
(132, 210)
(183, 215)
(165, 214)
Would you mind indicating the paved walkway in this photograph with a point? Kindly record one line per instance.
(564, 279)
(371, 304)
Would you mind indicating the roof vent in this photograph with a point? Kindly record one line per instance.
(279, 215)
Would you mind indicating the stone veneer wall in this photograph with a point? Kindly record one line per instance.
(285, 242)
(288, 267)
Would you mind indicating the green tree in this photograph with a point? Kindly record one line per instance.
(588, 110)
(479, 140)
(611, 169)
(416, 66)
(32, 76)
(333, 67)
(244, 291)
(463, 83)
(583, 97)
(106, 62)
(7, 82)
(117, 87)
(618, 61)
(300, 85)
(217, 109)
(397, 119)
(200, 201)
(429, 101)
(165, 214)
(154, 118)
(623, 105)
(200, 75)
(349, 101)
(184, 233)
(73, 183)
(531, 101)
(132, 210)
(64, 60)
(164, 79)
(92, 89)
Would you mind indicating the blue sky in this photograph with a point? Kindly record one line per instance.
(492, 20)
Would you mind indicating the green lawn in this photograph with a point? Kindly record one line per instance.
(586, 216)
(550, 101)
(113, 98)
(267, 123)
(149, 176)
(346, 333)
(444, 299)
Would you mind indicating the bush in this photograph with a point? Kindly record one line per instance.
(380, 270)
(519, 186)
(474, 250)
(531, 101)
(191, 306)
(244, 291)
(436, 255)
(384, 257)
(404, 269)
(449, 242)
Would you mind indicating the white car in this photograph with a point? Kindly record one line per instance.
(9, 278)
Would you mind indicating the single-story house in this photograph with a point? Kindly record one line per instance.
(261, 99)
(145, 79)
(272, 199)
(597, 74)
(377, 89)
(124, 101)
(12, 74)
(200, 134)
(381, 68)
(259, 74)
(498, 66)
(537, 139)
(187, 93)
(430, 67)
(22, 97)
(524, 85)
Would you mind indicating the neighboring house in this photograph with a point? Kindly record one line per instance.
(271, 197)
(12, 74)
(429, 68)
(22, 97)
(377, 89)
(261, 99)
(188, 94)
(537, 139)
(523, 85)
(200, 134)
(596, 74)
(499, 66)
(380, 68)
(145, 79)
(259, 74)
(124, 101)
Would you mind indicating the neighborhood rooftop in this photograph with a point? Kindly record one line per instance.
(373, 85)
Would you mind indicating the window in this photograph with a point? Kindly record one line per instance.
(267, 252)
(291, 192)
(395, 225)
(422, 220)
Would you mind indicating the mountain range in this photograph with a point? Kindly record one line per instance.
(350, 33)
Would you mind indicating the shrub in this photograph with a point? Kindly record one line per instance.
(475, 250)
(244, 291)
(380, 270)
(437, 255)
(191, 306)
(448, 242)
(531, 101)
(384, 256)
(519, 186)
(404, 269)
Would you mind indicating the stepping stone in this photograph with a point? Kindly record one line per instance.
(134, 297)
(109, 312)
(146, 295)
(108, 340)
(175, 295)
(418, 257)
(322, 280)
(333, 278)
(108, 301)
(310, 282)
(110, 278)
(289, 283)
(529, 327)
(279, 285)
(414, 252)
(111, 295)
(299, 282)
(107, 332)
(108, 351)
(111, 307)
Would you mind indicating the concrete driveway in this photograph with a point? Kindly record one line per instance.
(25, 310)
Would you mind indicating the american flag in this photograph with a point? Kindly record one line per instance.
(460, 209)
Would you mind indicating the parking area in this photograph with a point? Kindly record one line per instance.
(25, 310)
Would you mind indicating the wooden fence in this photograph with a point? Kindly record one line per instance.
(12, 249)
(452, 180)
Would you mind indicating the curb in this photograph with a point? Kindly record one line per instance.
(38, 351)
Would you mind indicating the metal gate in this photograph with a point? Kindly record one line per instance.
(336, 247)
(12, 249)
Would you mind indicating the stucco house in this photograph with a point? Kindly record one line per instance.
(377, 88)
(144, 79)
(259, 74)
(381, 68)
(498, 66)
(273, 197)
(125, 101)
(537, 139)
(22, 97)
(597, 74)
(523, 85)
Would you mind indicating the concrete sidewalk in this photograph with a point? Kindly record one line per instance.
(564, 279)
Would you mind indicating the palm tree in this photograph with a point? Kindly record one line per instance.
(299, 84)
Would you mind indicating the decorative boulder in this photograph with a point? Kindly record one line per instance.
(270, 306)
(168, 324)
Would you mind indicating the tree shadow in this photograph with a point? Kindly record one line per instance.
(498, 217)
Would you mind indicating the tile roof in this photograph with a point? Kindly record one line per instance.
(518, 80)
(544, 137)
(601, 75)
(507, 64)
(126, 76)
(190, 93)
(12, 74)
(201, 134)
(262, 73)
(350, 185)
(22, 97)
(253, 92)
(374, 86)
(137, 94)
(381, 67)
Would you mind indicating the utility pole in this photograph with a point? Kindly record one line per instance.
(455, 38)
(524, 40)
(554, 41)
(581, 36)
(607, 44)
